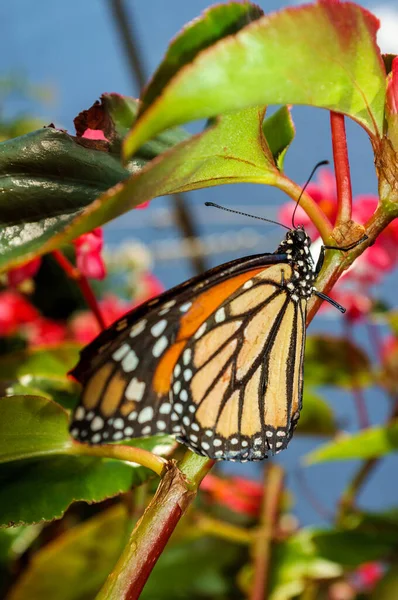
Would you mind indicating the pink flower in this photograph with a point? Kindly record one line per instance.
(357, 304)
(84, 326)
(44, 331)
(143, 205)
(236, 493)
(367, 575)
(324, 194)
(390, 347)
(383, 254)
(381, 257)
(15, 310)
(25, 271)
(88, 254)
(94, 134)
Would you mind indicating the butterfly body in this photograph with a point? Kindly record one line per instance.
(217, 361)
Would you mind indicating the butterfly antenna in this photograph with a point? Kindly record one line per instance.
(320, 164)
(238, 212)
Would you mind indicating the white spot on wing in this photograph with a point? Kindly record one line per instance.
(138, 328)
(159, 327)
(220, 315)
(97, 423)
(200, 331)
(165, 408)
(145, 415)
(135, 390)
(186, 357)
(187, 374)
(79, 414)
(160, 346)
(185, 307)
(130, 361)
(121, 352)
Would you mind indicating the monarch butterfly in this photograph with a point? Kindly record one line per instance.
(217, 361)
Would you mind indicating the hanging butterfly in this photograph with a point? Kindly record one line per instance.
(217, 361)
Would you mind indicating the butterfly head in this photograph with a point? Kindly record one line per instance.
(296, 244)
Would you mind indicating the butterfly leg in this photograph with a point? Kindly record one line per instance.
(283, 281)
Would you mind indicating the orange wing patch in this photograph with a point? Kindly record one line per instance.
(205, 304)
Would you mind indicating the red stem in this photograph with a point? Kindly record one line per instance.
(83, 284)
(375, 339)
(360, 404)
(311, 498)
(273, 490)
(175, 493)
(341, 167)
(357, 392)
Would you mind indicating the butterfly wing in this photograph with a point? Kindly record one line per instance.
(237, 385)
(177, 365)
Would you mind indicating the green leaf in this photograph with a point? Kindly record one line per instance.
(233, 150)
(323, 554)
(14, 541)
(316, 417)
(335, 361)
(49, 363)
(301, 55)
(75, 564)
(392, 319)
(115, 115)
(352, 548)
(192, 569)
(32, 431)
(41, 372)
(41, 490)
(387, 587)
(47, 178)
(385, 522)
(294, 562)
(31, 426)
(369, 443)
(216, 23)
(279, 131)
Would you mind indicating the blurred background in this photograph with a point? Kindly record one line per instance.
(57, 58)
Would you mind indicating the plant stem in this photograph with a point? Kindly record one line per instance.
(375, 339)
(177, 489)
(83, 284)
(311, 498)
(341, 167)
(316, 215)
(349, 496)
(222, 530)
(269, 520)
(121, 452)
(356, 390)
